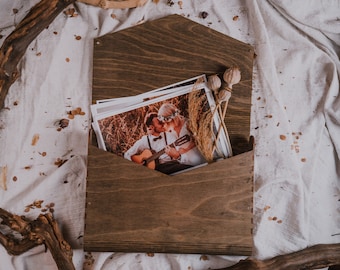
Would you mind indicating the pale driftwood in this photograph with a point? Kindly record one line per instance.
(3, 177)
(314, 257)
(42, 231)
(114, 4)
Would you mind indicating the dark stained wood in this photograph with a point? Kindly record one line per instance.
(131, 208)
(169, 50)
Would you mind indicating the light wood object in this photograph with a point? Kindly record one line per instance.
(131, 208)
(115, 4)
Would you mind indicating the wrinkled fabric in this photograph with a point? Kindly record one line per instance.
(295, 118)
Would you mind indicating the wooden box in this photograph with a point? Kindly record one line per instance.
(130, 208)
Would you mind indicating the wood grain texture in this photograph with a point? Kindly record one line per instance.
(131, 208)
(169, 50)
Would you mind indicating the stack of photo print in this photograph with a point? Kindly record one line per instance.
(171, 129)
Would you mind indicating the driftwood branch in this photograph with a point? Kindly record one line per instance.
(314, 257)
(42, 231)
(115, 4)
(15, 45)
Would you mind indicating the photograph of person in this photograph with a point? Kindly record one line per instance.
(156, 133)
(177, 125)
(156, 149)
(153, 135)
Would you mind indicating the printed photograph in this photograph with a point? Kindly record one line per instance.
(161, 133)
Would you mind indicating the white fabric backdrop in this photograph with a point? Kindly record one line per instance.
(295, 120)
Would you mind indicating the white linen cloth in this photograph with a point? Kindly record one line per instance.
(295, 121)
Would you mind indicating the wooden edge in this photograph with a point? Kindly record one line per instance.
(125, 170)
(95, 155)
(108, 4)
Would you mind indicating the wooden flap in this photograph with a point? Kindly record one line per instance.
(131, 208)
